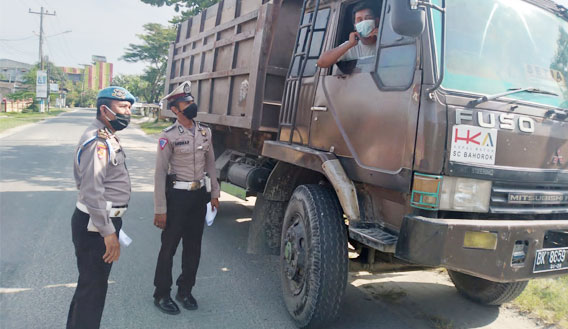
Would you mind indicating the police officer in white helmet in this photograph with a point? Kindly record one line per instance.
(185, 154)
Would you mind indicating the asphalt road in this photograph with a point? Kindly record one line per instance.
(234, 289)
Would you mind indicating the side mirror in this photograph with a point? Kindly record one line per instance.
(406, 18)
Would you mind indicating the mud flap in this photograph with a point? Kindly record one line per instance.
(266, 226)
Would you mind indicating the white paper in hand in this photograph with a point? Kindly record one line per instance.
(124, 239)
(210, 216)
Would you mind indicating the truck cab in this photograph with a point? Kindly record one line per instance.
(449, 147)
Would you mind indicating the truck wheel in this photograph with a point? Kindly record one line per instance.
(314, 261)
(484, 291)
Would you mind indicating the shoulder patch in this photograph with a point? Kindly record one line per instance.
(163, 142)
(169, 128)
(101, 150)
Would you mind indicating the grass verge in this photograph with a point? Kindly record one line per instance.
(547, 299)
(14, 119)
(154, 127)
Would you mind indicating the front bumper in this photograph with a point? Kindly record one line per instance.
(440, 242)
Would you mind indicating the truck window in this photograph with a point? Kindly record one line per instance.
(397, 57)
(316, 44)
(345, 27)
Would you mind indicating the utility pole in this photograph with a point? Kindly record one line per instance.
(41, 14)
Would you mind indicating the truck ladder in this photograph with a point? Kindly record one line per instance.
(293, 84)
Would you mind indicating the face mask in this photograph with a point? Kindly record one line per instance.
(120, 122)
(365, 27)
(190, 112)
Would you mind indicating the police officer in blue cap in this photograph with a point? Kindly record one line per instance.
(104, 191)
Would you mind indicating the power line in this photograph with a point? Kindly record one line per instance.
(65, 49)
(13, 50)
(19, 39)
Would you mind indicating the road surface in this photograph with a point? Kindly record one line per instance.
(234, 289)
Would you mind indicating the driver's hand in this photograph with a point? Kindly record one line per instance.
(353, 39)
(374, 33)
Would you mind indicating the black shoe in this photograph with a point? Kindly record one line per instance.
(166, 305)
(188, 302)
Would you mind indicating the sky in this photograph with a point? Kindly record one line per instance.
(98, 27)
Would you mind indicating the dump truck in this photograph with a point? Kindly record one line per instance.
(448, 148)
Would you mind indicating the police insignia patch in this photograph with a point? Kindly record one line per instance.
(180, 129)
(187, 88)
(163, 142)
(101, 150)
(119, 93)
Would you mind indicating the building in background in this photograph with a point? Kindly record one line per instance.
(74, 74)
(12, 75)
(13, 71)
(98, 75)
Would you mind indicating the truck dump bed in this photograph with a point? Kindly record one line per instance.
(237, 72)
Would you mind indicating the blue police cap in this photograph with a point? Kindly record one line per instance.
(116, 93)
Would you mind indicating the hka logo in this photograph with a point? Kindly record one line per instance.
(487, 139)
(489, 120)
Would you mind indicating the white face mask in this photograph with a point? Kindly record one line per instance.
(365, 27)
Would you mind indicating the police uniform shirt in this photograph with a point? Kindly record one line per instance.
(101, 175)
(186, 154)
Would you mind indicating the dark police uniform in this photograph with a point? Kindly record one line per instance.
(187, 153)
(104, 191)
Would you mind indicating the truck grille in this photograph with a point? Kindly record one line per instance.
(520, 198)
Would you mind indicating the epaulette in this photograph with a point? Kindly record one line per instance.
(203, 128)
(102, 133)
(169, 128)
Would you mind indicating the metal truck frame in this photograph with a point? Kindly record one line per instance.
(402, 156)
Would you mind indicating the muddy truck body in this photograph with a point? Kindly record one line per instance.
(449, 148)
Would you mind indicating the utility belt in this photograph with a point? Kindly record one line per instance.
(117, 211)
(188, 186)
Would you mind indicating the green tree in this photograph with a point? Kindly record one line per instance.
(186, 8)
(137, 86)
(154, 51)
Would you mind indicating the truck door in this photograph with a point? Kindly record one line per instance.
(367, 113)
(302, 76)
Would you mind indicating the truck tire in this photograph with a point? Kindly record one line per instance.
(484, 291)
(314, 262)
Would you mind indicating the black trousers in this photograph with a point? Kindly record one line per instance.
(185, 221)
(88, 302)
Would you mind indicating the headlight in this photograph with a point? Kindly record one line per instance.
(465, 194)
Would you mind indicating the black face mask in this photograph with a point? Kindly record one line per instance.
(120, 122)
(190, 112)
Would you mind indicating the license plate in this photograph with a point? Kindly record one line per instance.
(553, 259)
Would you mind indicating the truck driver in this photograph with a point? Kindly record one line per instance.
(362, 42)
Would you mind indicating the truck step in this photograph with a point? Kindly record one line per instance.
(374, 236)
